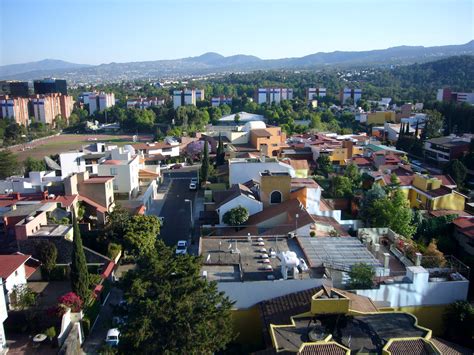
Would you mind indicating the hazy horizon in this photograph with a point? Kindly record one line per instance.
(90, 32)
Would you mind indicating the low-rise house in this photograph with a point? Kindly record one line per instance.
(464, 233)
(308, 192)
(443, 149)
(237, 195)
(168, 148)
(267, 140)
(301, 167)
(242, 170)
(15, 270)
(3, 318)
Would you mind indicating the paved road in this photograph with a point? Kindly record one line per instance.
(175, 210)
(96, 338)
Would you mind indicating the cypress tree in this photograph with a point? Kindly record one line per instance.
(400, 133)
(205, 163)
(79, 272)
(407, 131)
(416, 129)
(220, 152)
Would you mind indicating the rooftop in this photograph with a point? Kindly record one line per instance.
(99, 179)
(10, 263)
(223, 263)
(336, 252)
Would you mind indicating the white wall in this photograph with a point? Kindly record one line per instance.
(3, 316)
(418, 292)
(252, 206)
(248, 294)
(240, 172)
(126, 176)
(313, 199)
(16, 280)
(69, 163)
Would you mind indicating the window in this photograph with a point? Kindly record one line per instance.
(113, 171)
(115, 187)
(275, 197)
(418, 197)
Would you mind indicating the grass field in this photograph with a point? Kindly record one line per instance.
(67, 142)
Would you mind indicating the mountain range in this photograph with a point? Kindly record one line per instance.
(214, 63)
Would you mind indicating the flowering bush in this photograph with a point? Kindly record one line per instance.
(69, 300)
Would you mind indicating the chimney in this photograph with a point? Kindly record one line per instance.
(386, 260)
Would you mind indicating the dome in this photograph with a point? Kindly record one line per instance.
(254, 125)
(129, 148)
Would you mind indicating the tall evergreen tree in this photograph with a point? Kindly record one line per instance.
(407, 129)
(205, 163)
(416, 129)
(79, 272)
(220, 157)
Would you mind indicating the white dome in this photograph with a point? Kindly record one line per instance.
(129, 148)
(254, 125)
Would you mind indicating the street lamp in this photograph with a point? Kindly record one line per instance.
(191, 211)
(296, 223)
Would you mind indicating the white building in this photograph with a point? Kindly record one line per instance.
(100, 101)
(125, 168)
(168, 148)
(14, 273)
(276, 95)
(177, 98)
(242, 170)
(3, 317)
(144, 102)
(187, 97)
(35, 182)
(199, 94)
(312, 93)
(237, 195)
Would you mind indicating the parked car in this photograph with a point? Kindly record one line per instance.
(182, 247)
(193, 186)
(194, 180)
(112, 337)
(176, 166)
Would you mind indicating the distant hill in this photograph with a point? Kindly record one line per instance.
(43, 65)
(215, 63)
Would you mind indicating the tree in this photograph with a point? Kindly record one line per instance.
(237, 118)
(324, 165)
(362, 276)
(32, 164)
(402, 215)
(140, 234)
(23, 297)
(205, 163)
(236, 216)
(47, 253)
(172, 309)
(456, 170)
(352, 173)
(8, 164)
(341, 187)
(79, 274)
(432, 257)
(459, 321)
(220, 154)
(433, 125)
(117, 220)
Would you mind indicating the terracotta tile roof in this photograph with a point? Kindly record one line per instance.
(304, 182)
(441, 191)
(66, 200)
(439, 213)
(323, 349)
(87, 200)
(97, 180)
(465, 226)
(222, 197)
(361, 161)
(448, 348)
(331, 222)
(446, 180)
(260, 132)
(144, 172)
(113, 162)
(10, 263)
(299, 164)
(412, 347)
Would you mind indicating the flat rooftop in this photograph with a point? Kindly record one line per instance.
(53, 230)
(365, 333)
(223, 263)
(336, 252)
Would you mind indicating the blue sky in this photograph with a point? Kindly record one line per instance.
(104, 31)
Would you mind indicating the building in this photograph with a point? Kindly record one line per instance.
(124, 167)
(15, 108)
(46, 108)
(168, 148)
(187, 97)
(15, 269)
(446, 95)
(144, 102)
(237, 195)
(443, 149)
(347, 93)
(98, 102)
(464, 233)
(3, 318)
(242, 170)
(380, 117)
(15, 88)
(276, 95)
(50, 86)
(221, 100)
(314, 93)
(267, 140)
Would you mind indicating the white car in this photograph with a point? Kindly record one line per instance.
(112, 337)
(193, 186)
(182, 247)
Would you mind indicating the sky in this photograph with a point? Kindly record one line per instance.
(104, 31)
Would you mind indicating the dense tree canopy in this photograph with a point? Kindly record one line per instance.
(140, 234)
(8, 164)
(172, 309)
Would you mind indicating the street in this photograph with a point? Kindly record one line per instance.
(176, 209)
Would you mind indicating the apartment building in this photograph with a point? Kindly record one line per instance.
(14, 88)
(276, 95)
(314, 93)
(447, 95)
(187, 97)
(443, 149)
(144, 102)
(221, 100)
(46, 108)
(50, 86)
(347, 93)
(14, 108)
(98, 102)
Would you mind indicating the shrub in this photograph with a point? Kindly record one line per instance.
(50, 333)
(94, 280)
(312, 234)
(86, 325)
(70, 300)
(113, 250)
(362, 276)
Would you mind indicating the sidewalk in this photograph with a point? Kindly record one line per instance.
(158, 203)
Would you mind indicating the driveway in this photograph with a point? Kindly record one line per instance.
(96, 338)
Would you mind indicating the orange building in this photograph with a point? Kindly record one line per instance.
(267, 140)
(15, 108)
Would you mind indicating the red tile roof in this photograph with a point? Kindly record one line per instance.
(465, 226)
(87, 200)
(112, 162)
(299, 164)
(322, 349)
(10, 263)
(412, 347)
(98, 179)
